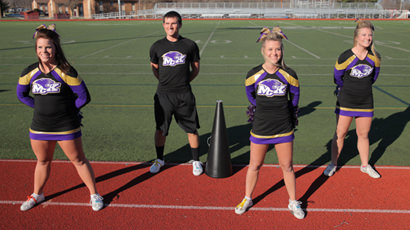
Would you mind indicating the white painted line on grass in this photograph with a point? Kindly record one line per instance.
(209, 38)
(202, 106)
(218, 208)
(211, 64)
(108, 48)
(305, 50)
(111, 47)
(235, 74)
(337, 34)
(379, 43)
(392, 47)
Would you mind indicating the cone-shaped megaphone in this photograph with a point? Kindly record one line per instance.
(219, 163)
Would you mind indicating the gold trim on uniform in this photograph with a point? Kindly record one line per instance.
(375, 59)
(57, 133)
(273, 136)
(357, 110)
(344, 65)
(72, 81)
(25, 80)
(289, 78)
(252, 79)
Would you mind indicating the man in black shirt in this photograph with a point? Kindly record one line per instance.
(175, 63)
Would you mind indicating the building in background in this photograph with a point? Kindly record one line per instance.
(85, 8)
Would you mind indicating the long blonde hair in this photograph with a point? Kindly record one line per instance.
(365, 24)
(275, 34)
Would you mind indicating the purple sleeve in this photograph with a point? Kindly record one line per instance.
(23, 95)
(294, 95)
(338, 77)
(250, 93)
(376, 74)
(83, 96)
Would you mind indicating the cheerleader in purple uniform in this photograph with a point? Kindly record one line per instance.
(58, 95)
(355, 72)
(273, 91)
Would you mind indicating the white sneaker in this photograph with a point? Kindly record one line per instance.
(243, 206)
(330, 170)
(32, 201)
(295, 209)
(370, 171)
(97, 202)
(156, 166)
(197, 168)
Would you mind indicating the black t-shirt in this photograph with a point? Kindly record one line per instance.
(174, 60)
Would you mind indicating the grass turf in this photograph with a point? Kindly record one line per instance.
(113, 59)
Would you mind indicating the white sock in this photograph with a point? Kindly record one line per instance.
(95, 194)
(291, 201)
(35, 195)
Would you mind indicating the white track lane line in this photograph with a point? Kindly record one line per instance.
(218, 208)
(182, 207)
(188, 164)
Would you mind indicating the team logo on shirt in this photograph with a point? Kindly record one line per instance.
(45, 86)
(271, 88)
(361, 71)
(173, 58)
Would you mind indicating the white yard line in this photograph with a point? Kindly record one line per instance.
(337, 34)
(144, 74)
(108, 48)
(305, 50)
(209, 39)
(392, 47)
(111, 47)
(378, 43)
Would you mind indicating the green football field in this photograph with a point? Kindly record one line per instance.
(113, 59)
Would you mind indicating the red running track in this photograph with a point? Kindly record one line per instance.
(174, 198)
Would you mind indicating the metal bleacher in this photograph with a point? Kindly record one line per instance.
(284, 9)
(274, 9)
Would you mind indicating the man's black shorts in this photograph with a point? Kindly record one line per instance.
(181, 105)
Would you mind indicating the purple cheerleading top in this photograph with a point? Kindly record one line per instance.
(57, 98)
(354, 78)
